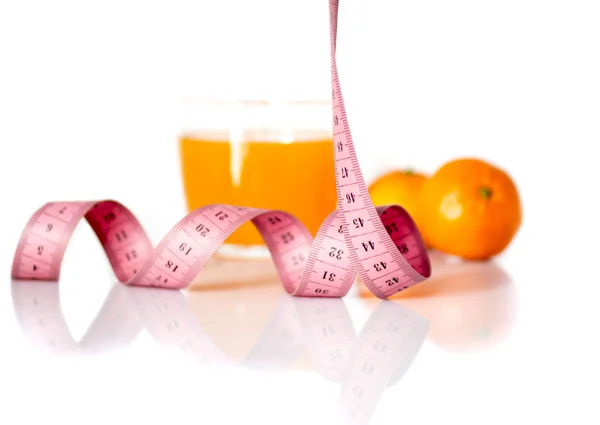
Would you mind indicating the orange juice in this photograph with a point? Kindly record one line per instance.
(297, 177)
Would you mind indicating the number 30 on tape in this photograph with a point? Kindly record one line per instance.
(381, 244)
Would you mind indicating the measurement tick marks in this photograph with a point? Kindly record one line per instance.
(382, 244)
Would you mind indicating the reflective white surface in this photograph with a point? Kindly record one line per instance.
(88, 110)
(477, 343)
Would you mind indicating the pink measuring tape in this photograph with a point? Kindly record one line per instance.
(382, 244)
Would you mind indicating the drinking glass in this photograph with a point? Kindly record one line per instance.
(262, 154)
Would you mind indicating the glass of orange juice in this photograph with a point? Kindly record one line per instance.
(262, 154)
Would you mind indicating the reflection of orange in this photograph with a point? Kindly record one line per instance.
(402, 188)
(470, 209)
(471, 304)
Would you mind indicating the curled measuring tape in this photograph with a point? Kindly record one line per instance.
(382, 244)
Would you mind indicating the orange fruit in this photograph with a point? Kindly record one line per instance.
(402, 188)
(470, 208)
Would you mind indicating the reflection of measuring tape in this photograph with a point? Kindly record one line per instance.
(364, 365)
(382, 244)
(39, 313)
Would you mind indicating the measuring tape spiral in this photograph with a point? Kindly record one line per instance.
(382, 245)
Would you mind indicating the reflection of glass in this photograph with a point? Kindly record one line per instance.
(259, 154)
(364, 365)
(471, 305)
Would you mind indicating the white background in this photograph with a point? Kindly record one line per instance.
(89, 96)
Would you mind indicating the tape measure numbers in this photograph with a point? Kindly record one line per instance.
(382, 244)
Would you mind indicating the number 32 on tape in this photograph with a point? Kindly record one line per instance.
(381, 244)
